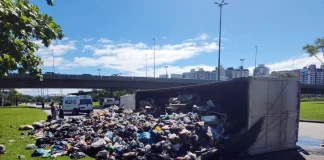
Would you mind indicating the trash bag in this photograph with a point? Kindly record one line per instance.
(26, 127)
(30, 146)
(2, 149)
(144, 137)
(77, 155)
(39, 152)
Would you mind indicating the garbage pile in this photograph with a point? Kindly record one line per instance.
(117, 133)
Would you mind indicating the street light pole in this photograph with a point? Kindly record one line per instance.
(146, 64)
(255, 59)
(53, 61)
(154, 56)
(241, 67)
(220, 5)
(99, 71)
(166, 71)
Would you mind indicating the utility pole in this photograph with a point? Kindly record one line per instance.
(53, 61)
(154, 56)
(256, 54)
(146, 64)
(242, 67)
(99, 71)
(166, 71)
(220, 5)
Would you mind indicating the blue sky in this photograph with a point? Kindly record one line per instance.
(115, 35)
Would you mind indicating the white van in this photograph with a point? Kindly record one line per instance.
(77, 104)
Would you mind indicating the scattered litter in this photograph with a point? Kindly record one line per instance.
(20, 156)
(26, 127)
(2, 149)
(11, 141)
(118, 133)
(30, 146)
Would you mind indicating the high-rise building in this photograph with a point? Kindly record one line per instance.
(241, 72)
(261, 70)
(201, 74)
(312, 75)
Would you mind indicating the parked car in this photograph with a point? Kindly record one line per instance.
(38, 103)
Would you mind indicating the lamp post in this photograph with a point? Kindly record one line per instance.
(242, 66)
(220, 5)
(255, 58)
(53, 61)
(99, 71)
(146, 64)
(166, 71)
(154, 56)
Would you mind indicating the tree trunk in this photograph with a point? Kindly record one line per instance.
(319, 59)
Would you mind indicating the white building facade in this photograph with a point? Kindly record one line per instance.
(261, 70)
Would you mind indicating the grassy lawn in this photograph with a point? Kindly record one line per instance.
(10, 119)
(312, 110)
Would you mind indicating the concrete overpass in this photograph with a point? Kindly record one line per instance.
(111, 82)
(90, 81)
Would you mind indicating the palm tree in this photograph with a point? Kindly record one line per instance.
(319, 42)
(312, 51)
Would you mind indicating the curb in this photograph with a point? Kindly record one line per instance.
(311, 121)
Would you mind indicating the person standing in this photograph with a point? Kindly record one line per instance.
(53, 110)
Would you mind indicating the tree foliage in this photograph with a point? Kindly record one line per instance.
(312, 50)
(286, 75)
(21, 24)
(319, 43)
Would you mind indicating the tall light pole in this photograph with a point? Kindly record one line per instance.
(53, 61)
(242, 66)
(220, 5)
(255, 59)
(293, 64)
(166, 71)
(99, 71)
(154, 56)
(146, 64)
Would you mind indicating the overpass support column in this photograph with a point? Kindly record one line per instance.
(111, 93)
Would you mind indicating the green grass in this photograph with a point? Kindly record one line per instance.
(96, 104)
(10, 119)
(312, 110)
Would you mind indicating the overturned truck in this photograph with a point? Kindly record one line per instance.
(259, 115)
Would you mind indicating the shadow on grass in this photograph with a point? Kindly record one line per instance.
(18, 107)
(319, 103)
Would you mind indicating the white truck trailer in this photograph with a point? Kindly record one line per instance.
(271, 103)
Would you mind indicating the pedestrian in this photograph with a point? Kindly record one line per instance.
(61, 113)
(43, 105)
(53, 110)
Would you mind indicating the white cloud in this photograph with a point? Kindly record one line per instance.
(58, 92)
(164, 37)
(58, 49)
(130, 57)
(65, 39)
(294, 63)
(48, 61)
(88, 39)
(104, 40)
(200, 37)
